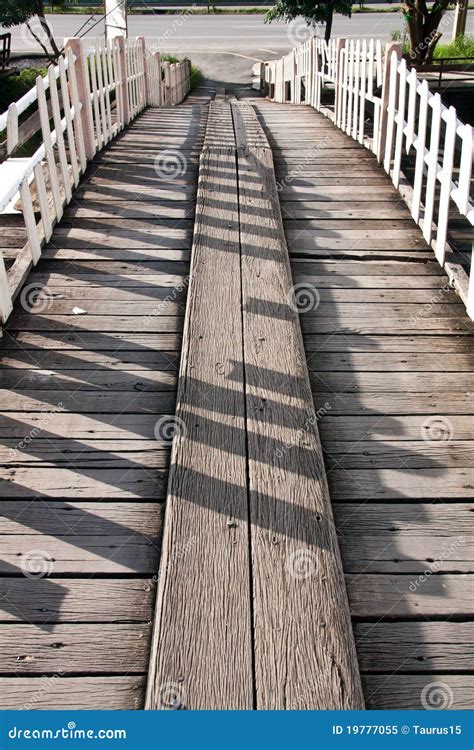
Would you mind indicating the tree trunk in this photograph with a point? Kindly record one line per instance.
(422, 28)
(329, 17)
(47, 29)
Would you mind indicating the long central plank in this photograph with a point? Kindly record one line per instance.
(305, 654)
(252, 610)
(201, 651)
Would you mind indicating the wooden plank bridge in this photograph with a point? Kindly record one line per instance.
(237, 284)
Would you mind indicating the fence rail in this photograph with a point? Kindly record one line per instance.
(381, 103)
(79, 106)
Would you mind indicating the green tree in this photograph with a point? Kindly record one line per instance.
(14, 12)
(422, 23)
(313, 11)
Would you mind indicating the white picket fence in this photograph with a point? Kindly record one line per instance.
(81, 105)
(168, 83)
(381, 103)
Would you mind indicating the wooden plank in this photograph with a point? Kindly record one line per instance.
(400, 691)
(72, 693)
(52, 600)
(354, 361)
(394, 596)
(291, 524)
(84, 518)
(35, 361)
(98, 484)
(202, 640)
(19, 425)
(411, 454)
(17, 379)
(393, 428)
(398, 403)
(91, 344)
(415, 646)
(390, 484)
(71, 649)
(87, 401)
(413, 347)
(342, 382)
(88, 323)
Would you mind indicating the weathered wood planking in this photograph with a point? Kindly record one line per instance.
(415, 646)
(202, 638)
(58, 693)
(390, 355)
(48, 601)
(391, 596)
(401, 691)
(72, 649)
(81, 486)
(295, 557)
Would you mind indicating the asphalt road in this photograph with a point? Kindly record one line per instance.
(226, 46)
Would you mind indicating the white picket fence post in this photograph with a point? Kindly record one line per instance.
(406, 116)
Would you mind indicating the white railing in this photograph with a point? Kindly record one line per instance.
(81, 105)
(168, 83)
(382, 104)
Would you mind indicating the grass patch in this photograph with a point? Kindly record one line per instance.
(14, 86)
(463, 46)
(196, 74)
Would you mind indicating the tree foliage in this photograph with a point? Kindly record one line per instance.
(422, 23)
(313, 11)
(15, 12)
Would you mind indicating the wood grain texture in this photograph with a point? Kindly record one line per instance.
(48, 601)
(415, 646)
(394, 596)
(70, 649)
(389, 350)
(72, 693)
(91, 374)
(295, 558)
(401, 691)
(202, 636)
